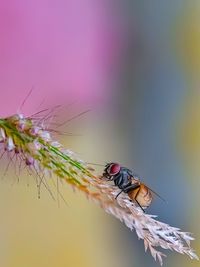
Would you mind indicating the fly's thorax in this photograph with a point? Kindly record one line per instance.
(122, 179)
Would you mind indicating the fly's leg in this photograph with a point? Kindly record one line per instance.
(127, 189)
(139, 205)
(138, 202)
(118, 194)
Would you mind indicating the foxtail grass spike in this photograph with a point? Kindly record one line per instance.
(30, 139)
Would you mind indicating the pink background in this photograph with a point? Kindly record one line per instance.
(67, 50)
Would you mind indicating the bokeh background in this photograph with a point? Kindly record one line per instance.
(136, 65)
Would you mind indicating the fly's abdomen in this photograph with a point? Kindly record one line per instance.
(144, 196)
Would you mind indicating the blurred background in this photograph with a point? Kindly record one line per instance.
(136, 65)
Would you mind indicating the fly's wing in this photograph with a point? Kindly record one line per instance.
(136, 179)
(133, 174)
(128, 176)
(157, 194)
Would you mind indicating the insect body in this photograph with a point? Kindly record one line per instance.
(128, 182)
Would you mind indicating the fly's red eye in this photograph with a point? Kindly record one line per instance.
(114, 169)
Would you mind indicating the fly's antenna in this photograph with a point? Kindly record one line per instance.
(95, 164)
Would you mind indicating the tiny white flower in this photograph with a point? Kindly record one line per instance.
(45, 135)
(37, 145)
(20, 116)
(21, 124)
(2, 135)
(10, 144)
(35, 130)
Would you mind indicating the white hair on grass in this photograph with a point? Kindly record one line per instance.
(29, 139)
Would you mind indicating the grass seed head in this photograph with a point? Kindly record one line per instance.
(30, 140)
